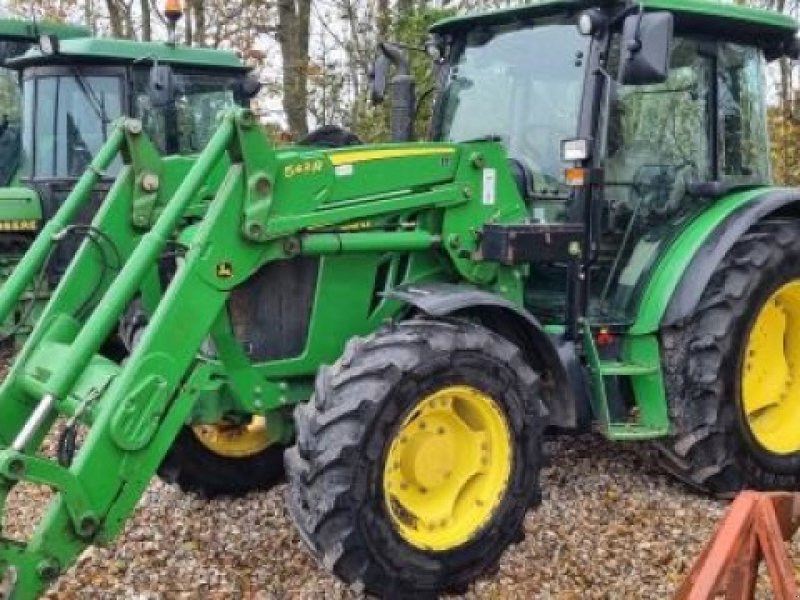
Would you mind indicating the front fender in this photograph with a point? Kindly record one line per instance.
(685, 268)
(549, 355)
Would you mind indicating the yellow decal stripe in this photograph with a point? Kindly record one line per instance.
(19, 225)
(357, 156)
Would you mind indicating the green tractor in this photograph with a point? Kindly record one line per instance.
(16, 38)
(72, 92)
(589, 239)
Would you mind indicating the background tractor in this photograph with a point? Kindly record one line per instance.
(70, 91)
(589, 239)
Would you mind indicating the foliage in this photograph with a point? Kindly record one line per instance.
(411, 29)
(785, 151)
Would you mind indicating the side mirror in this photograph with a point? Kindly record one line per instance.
(248, 87)
(646, 43)
(161, 88)
(378, 76)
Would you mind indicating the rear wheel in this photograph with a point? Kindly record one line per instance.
(417, 457)
(733, 371)
(224, 459)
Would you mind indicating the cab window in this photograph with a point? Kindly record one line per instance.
(72, 115)
(743, 140)
(186, 125)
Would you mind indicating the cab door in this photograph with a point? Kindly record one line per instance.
(658, 141)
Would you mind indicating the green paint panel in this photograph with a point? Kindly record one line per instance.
(19, 203)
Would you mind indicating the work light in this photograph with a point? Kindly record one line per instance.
(48, 44)
(573, 150)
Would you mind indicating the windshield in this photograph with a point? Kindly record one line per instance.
(68, 116)
(521, 85)
(186, 126)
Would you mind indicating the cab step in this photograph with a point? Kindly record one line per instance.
(641, 362)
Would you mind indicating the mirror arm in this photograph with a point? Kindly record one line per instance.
(609, 83)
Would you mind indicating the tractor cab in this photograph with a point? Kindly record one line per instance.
(622, 120)
(74, 90)
(16, 38)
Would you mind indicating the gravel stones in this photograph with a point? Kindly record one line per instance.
(611, 525)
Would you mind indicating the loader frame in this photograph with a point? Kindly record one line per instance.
(134, 411)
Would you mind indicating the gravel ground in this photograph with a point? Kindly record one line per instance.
(611, 525)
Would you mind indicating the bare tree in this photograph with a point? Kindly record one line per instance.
(147, 32)
(293, 36)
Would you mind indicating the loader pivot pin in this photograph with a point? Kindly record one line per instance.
(34, 423)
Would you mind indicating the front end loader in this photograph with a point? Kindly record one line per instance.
(590, 240)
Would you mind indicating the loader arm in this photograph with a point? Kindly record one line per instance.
(270, 205)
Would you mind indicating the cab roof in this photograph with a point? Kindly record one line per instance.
(756, 26)
(17, 29)
(115, 51)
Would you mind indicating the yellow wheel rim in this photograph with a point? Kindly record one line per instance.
(771, 372)
(447, 468)
(234, 441)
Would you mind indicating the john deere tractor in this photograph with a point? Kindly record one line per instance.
(72, 91)
(590, 238)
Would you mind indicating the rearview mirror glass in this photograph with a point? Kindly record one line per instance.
(378, 75)
(161, 88)
(646, 43)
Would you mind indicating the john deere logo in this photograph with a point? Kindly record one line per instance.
(224, 270)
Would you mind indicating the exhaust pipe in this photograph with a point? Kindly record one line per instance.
(402, 86)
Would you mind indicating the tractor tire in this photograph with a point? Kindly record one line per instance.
(195, 468)
(725, 424)
(367, 470)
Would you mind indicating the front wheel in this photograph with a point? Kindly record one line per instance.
(733, 371)
(417, 457)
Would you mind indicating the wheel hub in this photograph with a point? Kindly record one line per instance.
(447, 468)
(771, 372)
(234, 440)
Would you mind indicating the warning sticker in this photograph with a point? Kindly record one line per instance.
(489, 186)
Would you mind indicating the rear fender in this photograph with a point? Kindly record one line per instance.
(674, 289)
